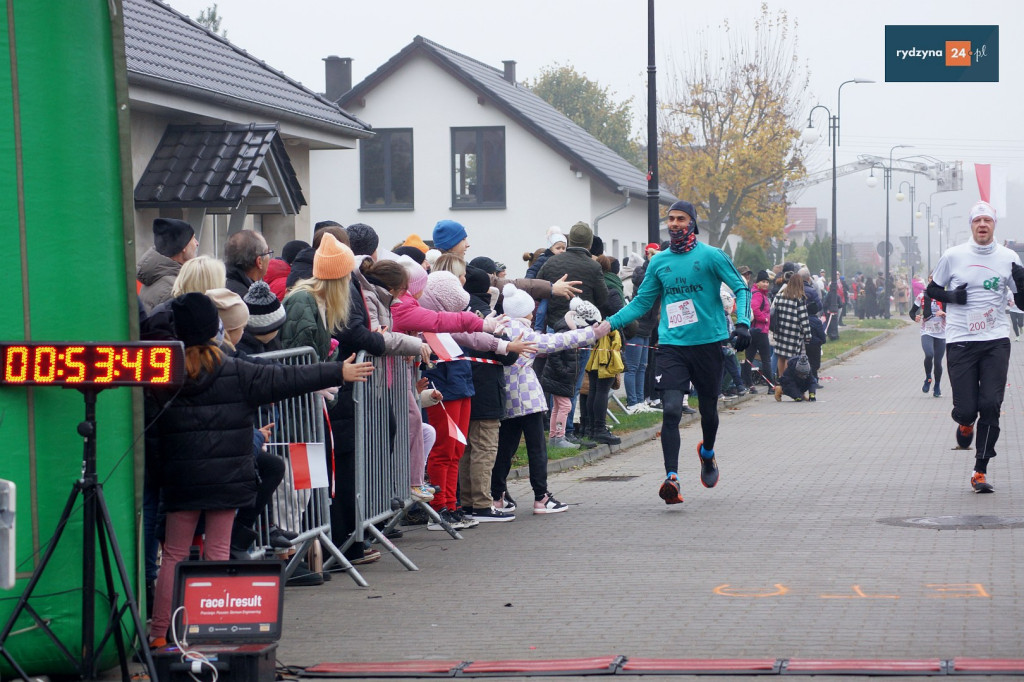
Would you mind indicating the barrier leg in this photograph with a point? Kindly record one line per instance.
(338, 558)
(382, 539)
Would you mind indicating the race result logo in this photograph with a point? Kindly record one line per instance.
(923, 54)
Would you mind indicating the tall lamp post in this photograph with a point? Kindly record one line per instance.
(941, 211)
(927, 215)
(888, 248)
(910, 245)
(810, 136)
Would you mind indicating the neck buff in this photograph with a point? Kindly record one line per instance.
(983, 250)
(682, 241)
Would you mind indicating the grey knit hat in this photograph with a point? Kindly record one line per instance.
(265, 312)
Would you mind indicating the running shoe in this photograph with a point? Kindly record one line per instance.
(669, 490)
(937, 392)
(927, 385)
(548, 505)
(708, 468)
(980, 485)
(964, 436)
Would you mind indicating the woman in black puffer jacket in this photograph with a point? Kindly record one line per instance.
(204, 462)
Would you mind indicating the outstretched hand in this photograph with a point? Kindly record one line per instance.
(495, 323)
(517, 345)
(353, 371)
(740, 337)
(565, 289)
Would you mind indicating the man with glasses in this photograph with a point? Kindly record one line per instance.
(246, 258)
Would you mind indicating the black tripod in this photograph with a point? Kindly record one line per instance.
(98, 528)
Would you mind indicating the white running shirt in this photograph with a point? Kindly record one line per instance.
(935, 325)
(986, 271)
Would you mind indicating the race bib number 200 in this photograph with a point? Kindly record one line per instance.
(681, 313)
(978, 322)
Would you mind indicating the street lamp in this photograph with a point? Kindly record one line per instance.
(928, 224)
(910, 245)
(941, 211)
(810, 136)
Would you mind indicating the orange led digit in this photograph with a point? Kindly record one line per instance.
(74, 365)
(160, 358)
(82, 365)
(106, 364)
(44, 365)
(132, 363)
(16, 364)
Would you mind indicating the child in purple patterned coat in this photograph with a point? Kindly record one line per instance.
(525, 404)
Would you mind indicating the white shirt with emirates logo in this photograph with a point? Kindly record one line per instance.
(986, 271)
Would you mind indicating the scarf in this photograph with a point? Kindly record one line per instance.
(983, 250)
(682, 242)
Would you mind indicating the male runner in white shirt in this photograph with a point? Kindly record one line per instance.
(972, 279)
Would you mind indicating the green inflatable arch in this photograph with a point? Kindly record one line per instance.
(67, 259)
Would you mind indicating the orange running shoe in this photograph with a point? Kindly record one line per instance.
(669, 490)
(979, 483)
(964, 436)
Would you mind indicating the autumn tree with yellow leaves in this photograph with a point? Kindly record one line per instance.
(729, 128)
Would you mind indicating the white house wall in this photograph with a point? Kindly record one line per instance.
(541, 190)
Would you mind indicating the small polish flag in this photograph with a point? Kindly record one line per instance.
(443, 345)
(454, 431)
(309, 465)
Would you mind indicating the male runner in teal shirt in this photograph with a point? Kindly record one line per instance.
(688, 278)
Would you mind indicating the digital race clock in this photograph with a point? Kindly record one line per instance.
(73, 365)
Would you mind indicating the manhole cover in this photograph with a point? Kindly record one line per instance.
(965, 522)
(612, 479)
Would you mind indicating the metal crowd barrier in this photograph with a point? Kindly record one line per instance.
(382, 453)
(305, 512)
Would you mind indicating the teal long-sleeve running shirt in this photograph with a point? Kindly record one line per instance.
(689, 285)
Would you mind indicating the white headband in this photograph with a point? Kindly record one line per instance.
(982, 209)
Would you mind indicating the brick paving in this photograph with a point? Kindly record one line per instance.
(789, 557)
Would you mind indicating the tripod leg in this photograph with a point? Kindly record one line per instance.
(116, 612)
(133, 604)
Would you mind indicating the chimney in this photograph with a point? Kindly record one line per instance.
(510, 70)
(338, 72)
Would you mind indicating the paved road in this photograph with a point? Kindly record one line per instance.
(798, 553)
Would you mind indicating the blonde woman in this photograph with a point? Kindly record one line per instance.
(200, 274)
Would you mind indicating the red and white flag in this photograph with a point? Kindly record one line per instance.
(443, 345)
(309, 465)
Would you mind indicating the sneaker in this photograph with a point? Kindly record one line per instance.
(654, 404)
(490, 515)
(688, 410)
(369, 556)
(157, 642)
(463, 521)
(549, 505)
(605, 437)
(708, 468)
(752, 390)
(811, 397)
(446, 517)
(579, 438)
(421, 493)
(980, 485)
(937, 392)
(778, 393)
(927, 385)
(281, 538)
(562, 443)
(415, 517)
(504, 504)
(669, 490)
(964, 436)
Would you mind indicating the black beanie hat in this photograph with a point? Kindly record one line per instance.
(478, 282)
(686, 207)
(362, 239)
(195, 319)
(411, 252)
(292, 249)
(597, 246)
(171, 236)
(484, 263)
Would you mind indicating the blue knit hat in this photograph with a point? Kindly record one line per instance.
(448, 233)
(686, 207)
